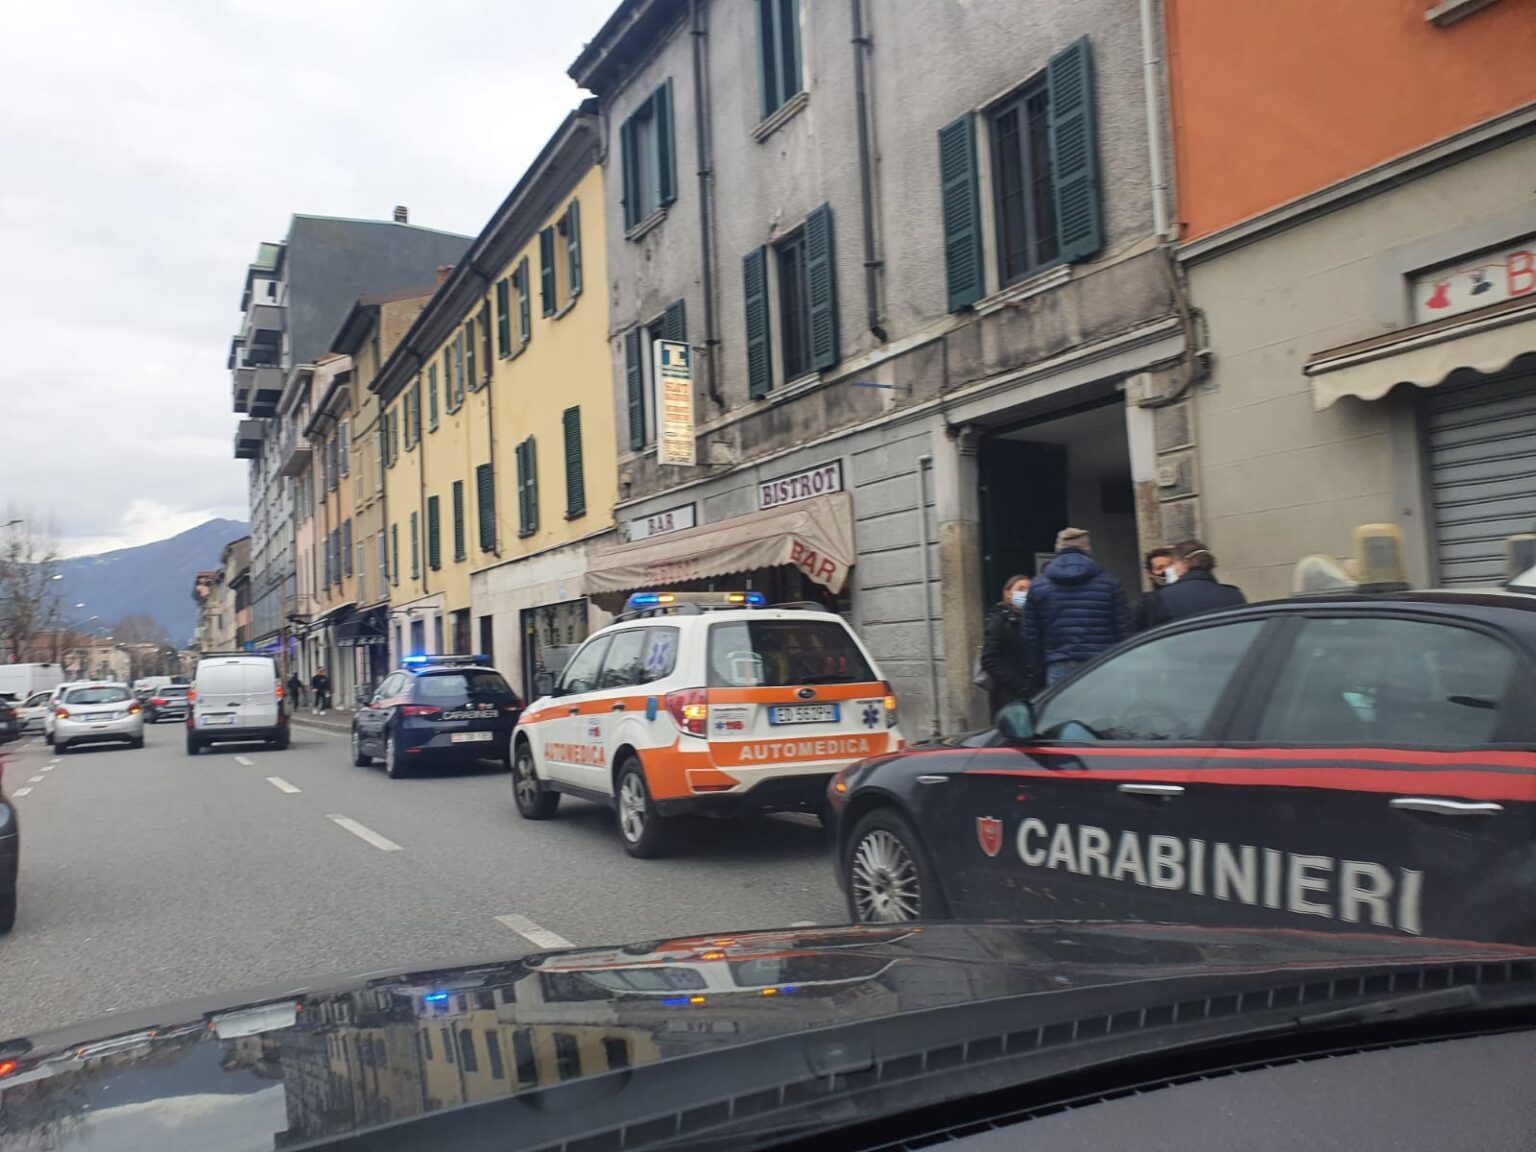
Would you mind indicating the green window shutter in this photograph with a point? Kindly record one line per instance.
(434, 534)
(416, 412)
(415, 546)
(471, 364)
(631, 173)
(666, 160)
(963, 266)
(524, 313)
(821, 285)
(547, 271)
(485, 342)
(573, 247)
(754, 272)
(458, 369)
(674, 321)
(522, 494)
(532, 485)
(458, 520)
(485, 500)
(634, 387)
(503, 319)
(575, 479)
(394, 552)
(1074, 152)
(432, 395)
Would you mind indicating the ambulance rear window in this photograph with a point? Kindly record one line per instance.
(755, 653)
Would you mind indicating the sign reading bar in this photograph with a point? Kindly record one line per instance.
(1488, 278)
(791, 489)
(660, 523)
(674, 403)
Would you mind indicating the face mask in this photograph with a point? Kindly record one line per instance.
(1170, 576)
(1018, 598)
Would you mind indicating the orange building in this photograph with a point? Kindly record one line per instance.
(1356, 191)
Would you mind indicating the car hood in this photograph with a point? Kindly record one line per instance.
(326, 1058)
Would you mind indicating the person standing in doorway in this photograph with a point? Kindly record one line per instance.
(1075, 610)
(295, 692)
(1002, 650)
(320, 685)
(1192, 587)
(1156, 562)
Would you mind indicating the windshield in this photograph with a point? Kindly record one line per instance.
(746, 654)
(462, 686)
(97, 696)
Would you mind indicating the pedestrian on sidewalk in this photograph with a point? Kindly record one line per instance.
(1156, 562)
(320, 685)
(1002, 650)
(1075, 610)
(1193, 588)
(295, 692)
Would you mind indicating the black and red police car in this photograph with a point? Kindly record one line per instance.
(1348, 763)
(436, 710)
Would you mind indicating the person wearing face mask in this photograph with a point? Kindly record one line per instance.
(1191, 586)
(1156, 562)
(1002, 653)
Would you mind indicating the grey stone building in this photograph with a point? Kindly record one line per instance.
(295, 296)
(915, 253)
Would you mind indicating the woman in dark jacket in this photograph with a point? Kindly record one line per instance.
(1002, 652)
(1193, 588)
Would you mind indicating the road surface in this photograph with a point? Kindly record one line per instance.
(150, 876)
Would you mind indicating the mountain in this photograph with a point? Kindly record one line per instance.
(154, 579)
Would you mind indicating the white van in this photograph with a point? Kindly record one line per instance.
(236, 698)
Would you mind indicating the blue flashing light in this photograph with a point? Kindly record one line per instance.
(435, 997)
(645, 599)
(674, 1002)
(787, 989)
(416, 658)
(756, 598)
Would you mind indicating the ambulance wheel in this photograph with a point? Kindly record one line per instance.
(646, 833)
(533, 802)
(886, 872)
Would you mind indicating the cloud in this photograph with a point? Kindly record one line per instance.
(149, 147)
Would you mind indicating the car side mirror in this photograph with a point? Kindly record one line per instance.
(543, 684)
(1016, 721)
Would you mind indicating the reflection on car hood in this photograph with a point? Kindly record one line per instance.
(336, 1056)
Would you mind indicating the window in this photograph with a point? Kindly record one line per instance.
(646, 147)
(524, 306)
(437, 646)
(448, 401)
(392, 423)
(749, 654)
(383, 563)
(415, 547)
(567, 1056)
(458, 520)
(485, 498)
(804, 267)
(585, 669)
(485, 342)
(575, 479)
(622, 664)
(571, 227)
(527, 489)
(467, 1058)
(457, 687)
(415, 411)
(1166, 689)
(778, 46)
(522, 1058)
(493, 1053)
(447, 1045)
(426, 1043)
(616, 1050)
(432, 396)
(344, 439)
(468, 336)
(504, 317)
(1390, 681)
(434, 538)
(346, 547)
(331, 461)
(1045, 195)
(547, 294)
(639, 367)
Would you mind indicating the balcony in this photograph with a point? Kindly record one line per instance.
(266, 390)
(248, 439)
(296, 457)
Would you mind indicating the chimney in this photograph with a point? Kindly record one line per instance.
(402, 214)
(443, 272)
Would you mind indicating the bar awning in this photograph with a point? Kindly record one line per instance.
(364, 630)
(814, 535)
(1426, 354)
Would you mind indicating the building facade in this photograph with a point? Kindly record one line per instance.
(930, 311)
(1365, 259)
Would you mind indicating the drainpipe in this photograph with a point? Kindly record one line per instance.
(704, 163)
(872, 263)
(1149, 66)
(924, 462)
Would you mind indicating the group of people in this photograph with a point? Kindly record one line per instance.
(1046, 628)
(320, 689)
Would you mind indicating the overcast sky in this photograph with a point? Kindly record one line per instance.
(146, 147)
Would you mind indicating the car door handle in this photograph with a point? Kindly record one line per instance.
(932, 779)
(575, 708)
(1445, 807)
(1151, 789)
(619, 707)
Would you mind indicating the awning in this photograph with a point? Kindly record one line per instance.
(1426, 354)
(814, 535)
(365, 630)
(331, 616)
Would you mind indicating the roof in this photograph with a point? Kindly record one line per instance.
(623, 39)
(364, 313)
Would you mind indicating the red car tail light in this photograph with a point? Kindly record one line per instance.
(61, 713)
(427, 710)
(133, 709)
(158, 702)
(690, 709)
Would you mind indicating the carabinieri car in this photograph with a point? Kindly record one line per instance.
(434, 710)
(1350, 763)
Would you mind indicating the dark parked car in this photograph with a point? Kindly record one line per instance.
(436, 710)
(1352, 764)
(169, 702)
(10, 723)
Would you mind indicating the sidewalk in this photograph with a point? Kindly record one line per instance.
(335, 719)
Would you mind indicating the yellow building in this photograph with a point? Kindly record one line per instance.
(498, 425)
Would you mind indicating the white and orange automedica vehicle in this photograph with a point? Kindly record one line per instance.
(710, 703)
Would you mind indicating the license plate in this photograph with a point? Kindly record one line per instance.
(210, 721)
(470, 737)
(803, 714)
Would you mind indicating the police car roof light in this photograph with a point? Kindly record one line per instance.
(447, 659)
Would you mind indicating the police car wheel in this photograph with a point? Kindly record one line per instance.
(533, 802)
(394, 762)
(360, 759)
(644, 832)
(887, 874)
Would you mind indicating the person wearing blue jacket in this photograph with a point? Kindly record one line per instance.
(1075, 610)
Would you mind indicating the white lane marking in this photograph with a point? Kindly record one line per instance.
(802, 923)
(22, 791)
(245, 761)
(46, 768)
(51, 763)
(363, 832)
(36, 780)
(282, 785)
(531, 932)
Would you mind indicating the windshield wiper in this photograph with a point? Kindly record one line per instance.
(1412, 1006)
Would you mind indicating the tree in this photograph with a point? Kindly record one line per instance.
(140, 628)
(31, 602)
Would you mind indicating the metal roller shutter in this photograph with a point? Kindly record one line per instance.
(1482, 471)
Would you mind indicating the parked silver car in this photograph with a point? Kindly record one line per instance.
(168, 702)
(32, 711)
(97, 713)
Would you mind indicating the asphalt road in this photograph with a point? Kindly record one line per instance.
(150, 876)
